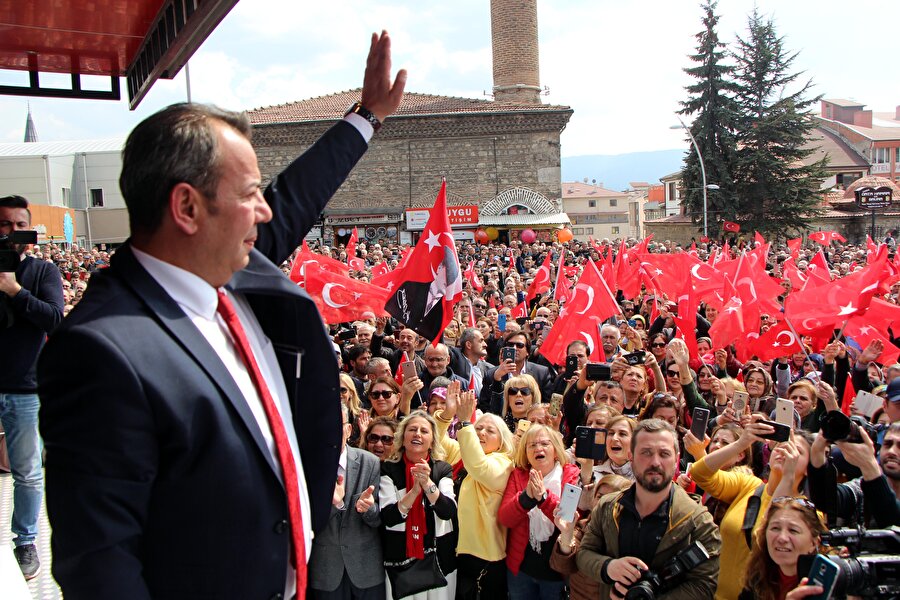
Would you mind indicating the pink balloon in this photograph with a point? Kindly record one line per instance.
(528, 236)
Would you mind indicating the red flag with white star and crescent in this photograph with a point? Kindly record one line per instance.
(341, 298)
(425, 289)
(307, 257)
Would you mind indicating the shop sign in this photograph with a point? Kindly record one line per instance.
(460, 215)
(361, 219)
(869, 198)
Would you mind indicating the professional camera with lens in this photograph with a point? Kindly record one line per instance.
(838, 427)
(873, 568)
(10, 248)
(672, 573)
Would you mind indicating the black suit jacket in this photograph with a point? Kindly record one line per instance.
(491, 397)
(159, 483)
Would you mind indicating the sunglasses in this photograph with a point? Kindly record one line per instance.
(658, 344)
(792, 500)
(672, 373)
(374, 438)
(344, 390)
(385, 394)
(519, 345)
(523, 391)
(482, 306)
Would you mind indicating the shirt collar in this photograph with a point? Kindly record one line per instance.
(342, 461)
(629, 497)
(185, 288)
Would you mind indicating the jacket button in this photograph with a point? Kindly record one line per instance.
(281, 526)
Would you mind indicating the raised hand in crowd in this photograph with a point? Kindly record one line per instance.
(366, 500)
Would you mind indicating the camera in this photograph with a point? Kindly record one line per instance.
(9, 253)
(597, 372)
(635, 358)
(651, 584)
(838, 427)
(873, 568)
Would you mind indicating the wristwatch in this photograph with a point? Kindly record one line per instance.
(432, 489)
(464, 424)
(365, 113)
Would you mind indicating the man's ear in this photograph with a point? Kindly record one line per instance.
(186, 208)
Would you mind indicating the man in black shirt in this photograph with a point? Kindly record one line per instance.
(31, 305)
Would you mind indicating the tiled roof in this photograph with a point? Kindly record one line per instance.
(844, 103)
(575, 189)
(871, 181)
(333, 106)
(840, 154)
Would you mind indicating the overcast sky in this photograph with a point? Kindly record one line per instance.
(617, 63)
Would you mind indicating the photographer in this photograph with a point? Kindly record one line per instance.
(870, 500)
(31, 302)
(647, 526)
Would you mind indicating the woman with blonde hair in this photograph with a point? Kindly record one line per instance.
(486, 449)
(531, 496)
(519, 393)
(418, 506)
(350, 398)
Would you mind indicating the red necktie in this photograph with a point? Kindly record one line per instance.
(285, 457)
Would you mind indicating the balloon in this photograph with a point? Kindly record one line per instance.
(528, 236)
(492, 233)
(481, 236)
(564, 235)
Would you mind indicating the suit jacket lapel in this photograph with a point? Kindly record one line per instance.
(180, 327)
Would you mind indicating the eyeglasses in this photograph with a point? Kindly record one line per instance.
(374, 438)
(344, 390)
(627, 310)
(385, 394)
(658, 344)
(540, 444)
(673, 373)
(519, 345)
(523, 391)
(481, 306)
(795, 500)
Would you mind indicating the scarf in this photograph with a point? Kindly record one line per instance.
(540, 528)
(415, 519)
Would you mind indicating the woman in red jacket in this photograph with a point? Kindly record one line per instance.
(531, 496)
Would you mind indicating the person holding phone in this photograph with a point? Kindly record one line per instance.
(519, 394)
(513, 361)
(791, 528)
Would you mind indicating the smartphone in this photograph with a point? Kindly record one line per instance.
(522, 426)
(537, 326)
(687, 468)
(501, 322)
(408, 368)
(782, 432)
(739, 402)
(635, 358)
(568, 502)
(784, 411)
(521, 320)
(754, 404)
(590, 443)
(555, 404)
(597, 372)
(867, 403)
(508, 354)
(571, 366)
(823, 572)
(346, 334)
(699, 421)
(631, 322)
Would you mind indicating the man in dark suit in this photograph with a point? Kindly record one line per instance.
(346, 558)
(213, 399)
(491, 397)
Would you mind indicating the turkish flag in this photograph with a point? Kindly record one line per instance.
(883, 314)
(665, 273)
(849, 395)
(541, 281)
(520, 311)
(380, 269)
(864, 333)
(472, 278)
(735, 321)
(306, 257)
(512, 263)
(778, 341)
(686, 319)
(425, 289)
(582, 317)
(398, 375)
(704, 277)
(826, 237)
(731, 226)
(818, 271)
(628, 276)
(794, 246)
(793, 274)
(561, 287)
(355, 263)
(341, 298)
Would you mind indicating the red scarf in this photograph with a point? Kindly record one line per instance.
(415, 519)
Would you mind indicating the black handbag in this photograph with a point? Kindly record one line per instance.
(418, 575)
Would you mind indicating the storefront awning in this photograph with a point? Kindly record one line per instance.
(528, 220)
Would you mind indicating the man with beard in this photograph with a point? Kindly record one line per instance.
(648, 524)
(31, 306)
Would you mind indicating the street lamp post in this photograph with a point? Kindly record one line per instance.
(706, 187)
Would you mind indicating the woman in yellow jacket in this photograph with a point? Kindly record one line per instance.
(742, 491)
(485, 449)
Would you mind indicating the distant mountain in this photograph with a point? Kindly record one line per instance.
(616, 170)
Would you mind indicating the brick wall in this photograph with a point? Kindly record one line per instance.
(479, 154)
(514, 44)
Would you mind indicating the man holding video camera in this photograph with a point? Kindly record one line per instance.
(649, 531)
(31, 305)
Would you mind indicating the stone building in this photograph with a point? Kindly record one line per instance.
(501, 155)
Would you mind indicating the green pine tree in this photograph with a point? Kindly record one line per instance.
(777, 184)
(711, 101)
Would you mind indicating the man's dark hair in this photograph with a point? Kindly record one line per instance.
(653, 426)
(15, 202)
(176, 145)
(511, 334)
(355, 352)
(582, 343)
(467, 335)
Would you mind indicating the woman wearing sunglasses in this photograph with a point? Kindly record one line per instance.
(519, 394)
(532, 495)
(378, 437)
(792, 528)
(384, 395)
